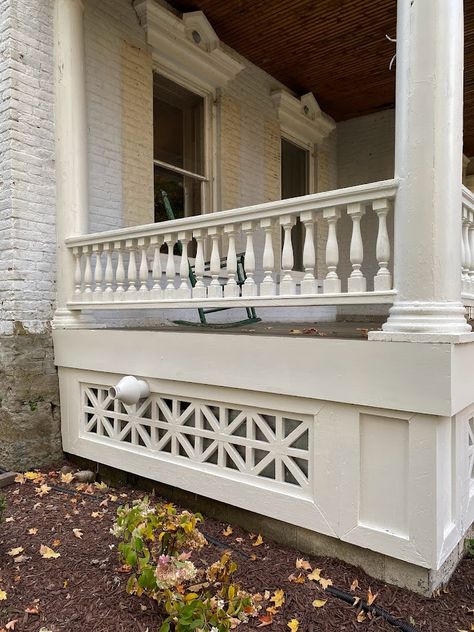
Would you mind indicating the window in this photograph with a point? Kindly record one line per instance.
(178, 148)
(295, 161)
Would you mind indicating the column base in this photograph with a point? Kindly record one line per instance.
(432, 322)
(69, 319)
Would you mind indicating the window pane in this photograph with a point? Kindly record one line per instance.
(184, 194)
(178, 125)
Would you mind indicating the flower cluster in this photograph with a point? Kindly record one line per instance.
(172, 571)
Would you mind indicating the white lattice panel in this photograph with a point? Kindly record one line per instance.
(248, 441)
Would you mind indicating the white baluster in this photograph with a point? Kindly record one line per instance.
(98, 273)
(108, 294)
(308, 284)
(215, 289)
(332, 283)
(170, 290)
(249, 288)
(231, 288)
(184, 290)
(156, 272)
(466, 251)
(87, 274)
(77, 252)
(357, 281)
(119, 294)
(383, 278)
(199, 290)
(144, 292)
(131, 270)
(287, 283)
(268, 285)
(471, 248)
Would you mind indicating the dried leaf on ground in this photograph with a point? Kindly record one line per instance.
(303, 564)
(371, 597)
(315, 575)
(265, 619)
(11, 624)
(325, 582)
(354, 585)
(100, 485)
(48, 553)
(297, 579)
(319, 603)
(68, 477)
(3, 595)
(9, 519)
(278, 598)
(32, 476)
(294, 624)
(42, 490)
(33, 531)
(78, 533)
(16, 551)
(227, 531)
(361, 617)
(20, 478)
(258, 541)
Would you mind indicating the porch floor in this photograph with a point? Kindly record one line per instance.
(343, 329)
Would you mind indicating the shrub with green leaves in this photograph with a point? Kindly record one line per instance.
(156, 545)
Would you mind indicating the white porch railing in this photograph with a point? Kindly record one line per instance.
(467, 247)
(125, 268)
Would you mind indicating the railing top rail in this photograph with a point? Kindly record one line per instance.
(468, 198)
(365, 193)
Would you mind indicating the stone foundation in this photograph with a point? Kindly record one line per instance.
(30, 427)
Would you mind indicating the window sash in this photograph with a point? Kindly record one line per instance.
(184, 172)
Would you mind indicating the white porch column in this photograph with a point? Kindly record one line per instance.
(428, 164)
(71, 147)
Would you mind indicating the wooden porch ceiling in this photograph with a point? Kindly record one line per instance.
(336, 49)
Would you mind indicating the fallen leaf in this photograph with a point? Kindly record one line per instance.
(56, 542)
(278, 598)
(319, 603)
(20, 478)
(325, 582)
(36, 505)
(78, 533)
(17, 551)
(65, 583)
(33, 531)
(42, 490)
(295, 331)
(356, 601)
(296, 579)
(253, 557)
(11, 624)
(32, 476)
(265, 619)
(100, 485)
(10, 519)
(371, 597)
(354, 585)
(294, 624)
(227, 531)
(113, 498)
(20, 559)
(258, 541)
(104, 503)
(32, 610)
(239, 540)
(315, 575)
(48, 553)
(96, 514)
(300, 563)
(68, 477)
(361, 617)
(3, 595)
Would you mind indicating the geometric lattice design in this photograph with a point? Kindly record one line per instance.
(470, 448)
(243, 439)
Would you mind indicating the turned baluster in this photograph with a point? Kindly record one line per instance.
(98, 273)
(132, 268)
(156, 272)
(119, 273)
(214, 290)
(231, 288)
(199, 290)
(357, 281)
(308, 284)
(471, 248)
(332, 283)
(108, 294)
(249, 287)
(268, 285)
(170, 290)
(142, 244)
(383, 278)
(77, 252)
(466, 251)
(184, 290)
(287, 283)
(87, 274)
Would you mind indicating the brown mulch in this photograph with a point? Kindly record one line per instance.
(83, 590)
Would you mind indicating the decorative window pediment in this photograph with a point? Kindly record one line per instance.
(189, 46)
(302, 118)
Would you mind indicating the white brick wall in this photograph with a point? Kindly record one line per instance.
(27, 179)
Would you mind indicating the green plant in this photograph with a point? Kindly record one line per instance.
(470, 547)
(157, 544)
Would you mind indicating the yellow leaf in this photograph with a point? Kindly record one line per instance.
(354, 585)
(315, 575)
(113, 498)
(100, 485)
(300, 563)
(3, 595)
(297, 579)
(17, 551)
(42, 490)
(78, 533)
(319, 603)
(278, 598)
(258, 541)
(96, 514)
(325, 582)
(32, 476)
(361, 617)
(68, 477)
(65, 583)
(294, 624)
(228, 531)
(371, 597)
(33, 531)
(48, 553)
